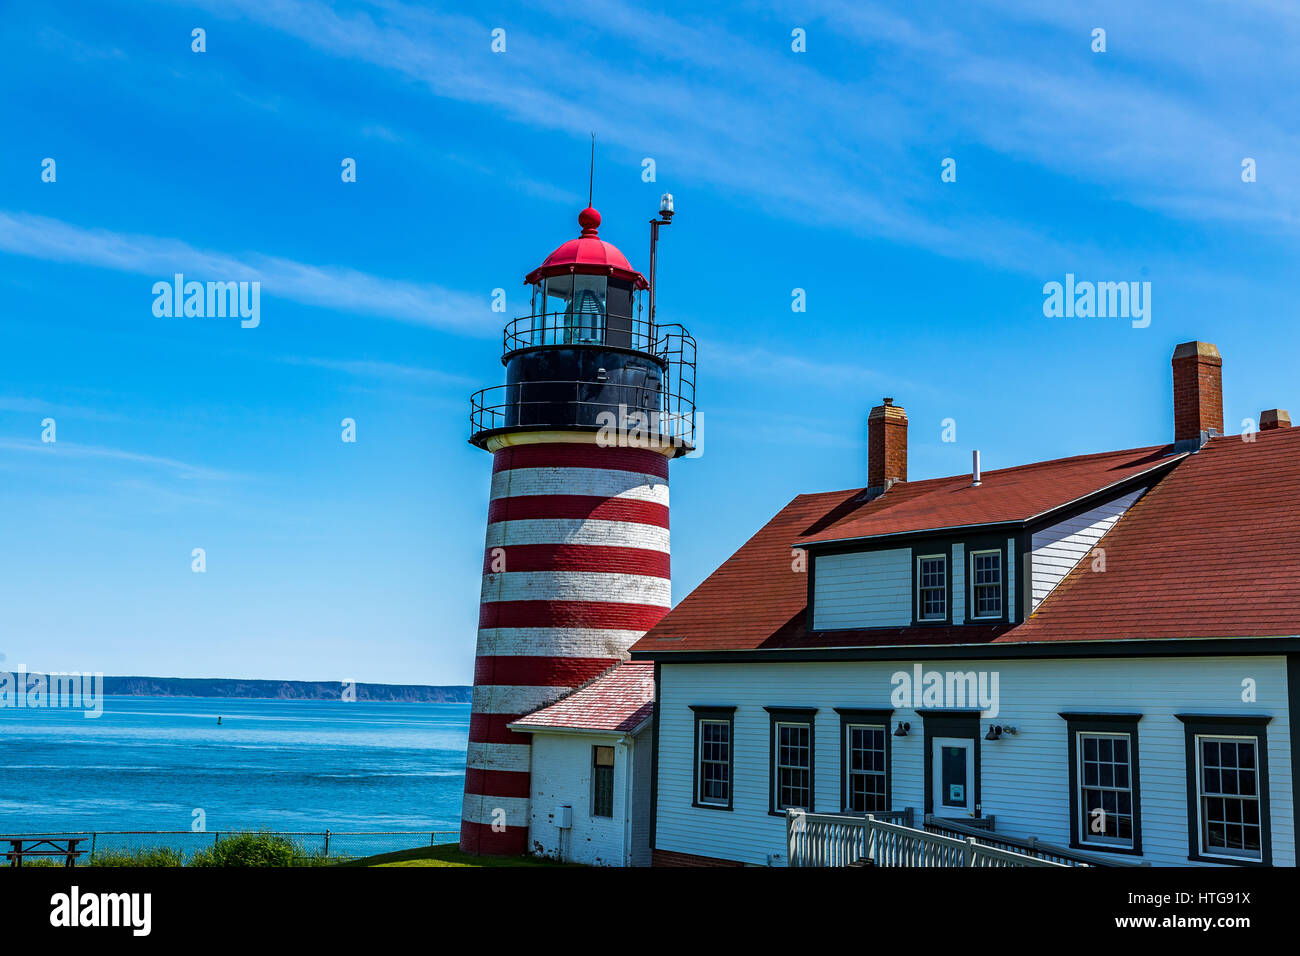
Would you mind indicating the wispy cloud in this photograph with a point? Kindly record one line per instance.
(1161, 120)
(61, 450)
(793, 370)
(37, 406)
(331, 287)
(367, 368)
(859, 152)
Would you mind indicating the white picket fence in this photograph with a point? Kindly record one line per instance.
(823, 839)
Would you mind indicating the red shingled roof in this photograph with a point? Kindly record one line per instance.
(1006, 494)
(1212, 551)
(619, 700)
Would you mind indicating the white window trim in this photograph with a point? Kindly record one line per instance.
(699, 770)
(848, 762)
(777, 765)
(1085, 834)
(920, 603)
(1200, 797)
(1002, 586)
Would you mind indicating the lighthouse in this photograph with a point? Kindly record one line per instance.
(598, 398)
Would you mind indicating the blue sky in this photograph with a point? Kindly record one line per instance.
(817, 170)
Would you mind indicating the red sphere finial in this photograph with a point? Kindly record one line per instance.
(589, 220)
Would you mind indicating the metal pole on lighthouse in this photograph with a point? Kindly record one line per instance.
(576, 556)
(666, 213)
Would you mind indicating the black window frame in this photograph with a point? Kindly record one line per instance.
(865, 717)
(919, 552)
(806, 716)
(1227, 725)
(1093, 723)
(714, 714)
(597, 771)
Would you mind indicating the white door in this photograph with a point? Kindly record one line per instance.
(952, 774)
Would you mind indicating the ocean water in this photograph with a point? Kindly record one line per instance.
(148, 762)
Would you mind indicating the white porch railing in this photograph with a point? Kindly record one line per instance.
(823, 839)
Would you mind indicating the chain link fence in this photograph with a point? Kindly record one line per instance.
(327, 845)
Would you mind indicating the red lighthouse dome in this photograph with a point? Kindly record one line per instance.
(588, 255)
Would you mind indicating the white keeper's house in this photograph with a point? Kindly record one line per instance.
(1099, 652)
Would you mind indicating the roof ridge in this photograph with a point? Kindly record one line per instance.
(1089, 455)
(996, 471)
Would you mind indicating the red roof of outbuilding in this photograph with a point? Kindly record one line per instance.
(619, 700)
(588, 255)
(1212, 551)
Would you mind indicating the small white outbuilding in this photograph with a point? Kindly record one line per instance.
(590, 775)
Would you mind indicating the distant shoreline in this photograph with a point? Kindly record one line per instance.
(221, 687)
(364, 700)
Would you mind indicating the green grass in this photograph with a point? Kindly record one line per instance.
(255, 849)
(264, 849)
(150, 856)
(447, 854)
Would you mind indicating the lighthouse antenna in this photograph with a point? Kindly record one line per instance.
(591, 179)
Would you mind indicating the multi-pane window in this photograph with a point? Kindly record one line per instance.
(793, 766)
(714, 771)
(1228, 789)
(602, 781)
(932, 587)
(986, 583)
(1105, 781)
(1105, 774)
(866, 768)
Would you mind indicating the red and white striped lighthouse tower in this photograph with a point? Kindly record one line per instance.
(598, 399)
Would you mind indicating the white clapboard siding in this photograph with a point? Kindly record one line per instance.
(863, 589)
(1055, 550)
(1024, 779)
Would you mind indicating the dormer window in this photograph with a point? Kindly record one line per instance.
(986, 584)
(932, 587)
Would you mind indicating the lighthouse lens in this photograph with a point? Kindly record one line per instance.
(586, 314)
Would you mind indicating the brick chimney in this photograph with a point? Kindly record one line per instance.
(886, 446)
(1198, 391)
(1271, 418)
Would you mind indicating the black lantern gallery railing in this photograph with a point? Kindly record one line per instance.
(631, 405)
(578, 328)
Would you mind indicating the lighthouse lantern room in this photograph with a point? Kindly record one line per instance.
(598, 398)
